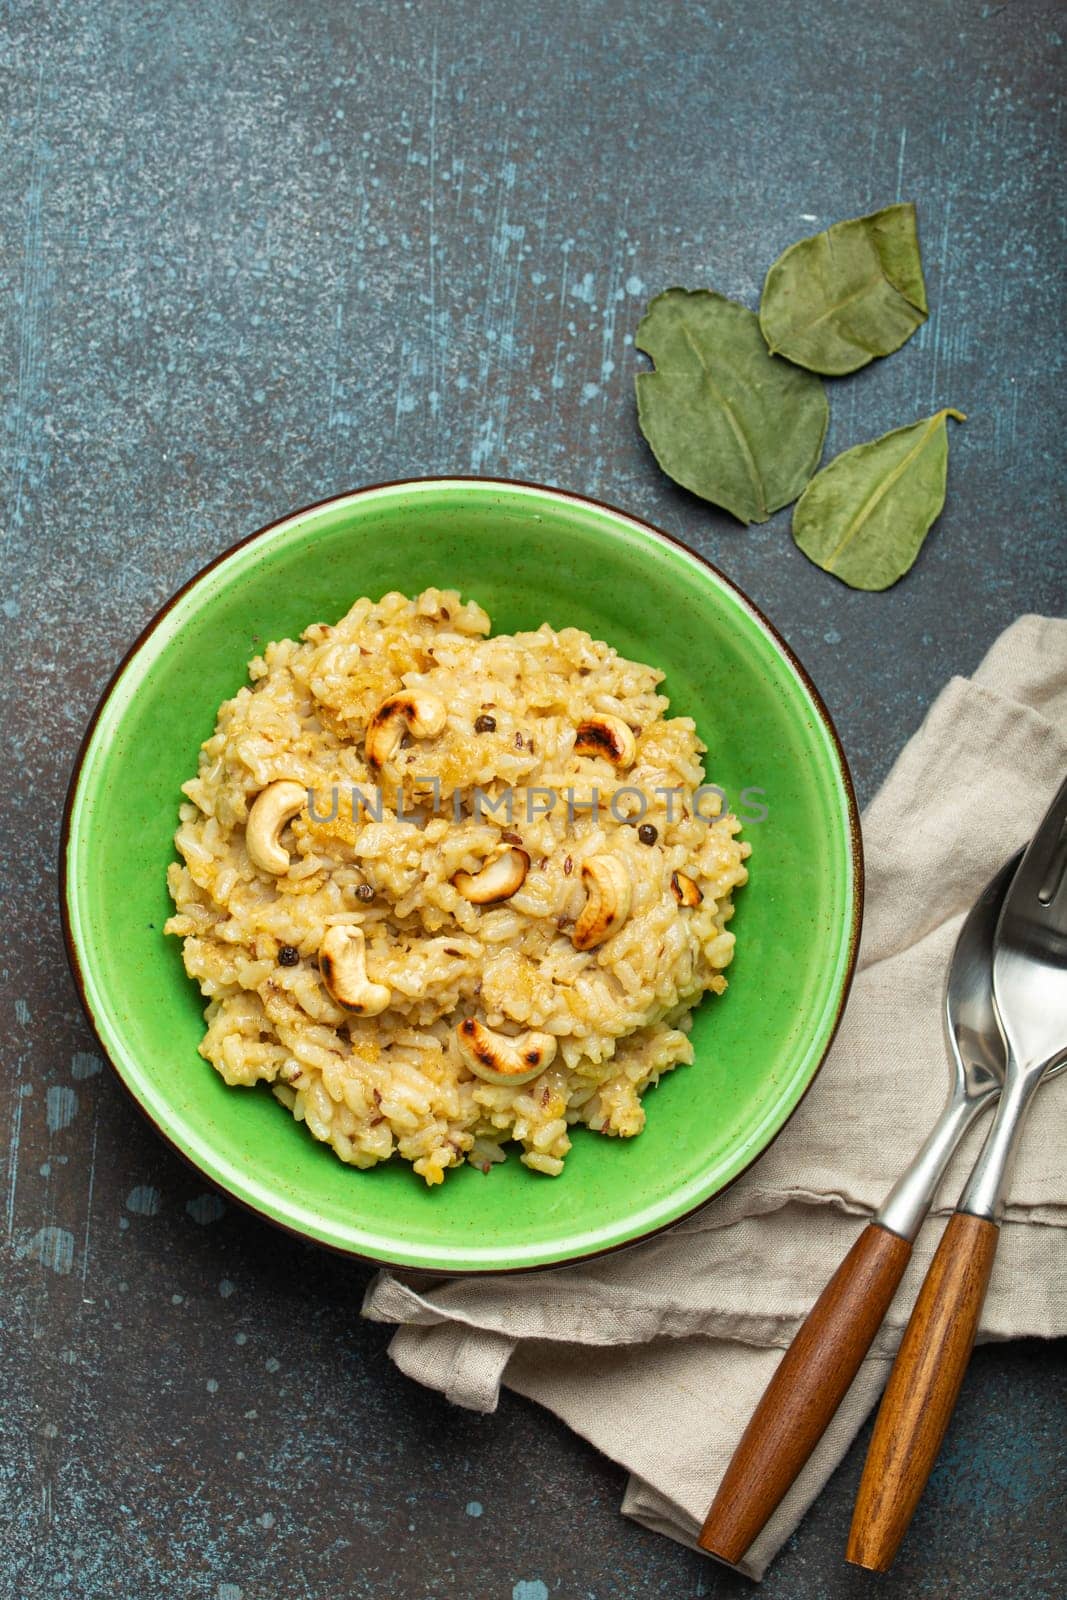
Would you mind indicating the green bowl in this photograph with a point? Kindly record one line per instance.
(529, 555)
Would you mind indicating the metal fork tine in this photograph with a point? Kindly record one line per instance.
(1042, 876)
(1056, 870)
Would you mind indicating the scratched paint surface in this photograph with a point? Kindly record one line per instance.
(254, 254)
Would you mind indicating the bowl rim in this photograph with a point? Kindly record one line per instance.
(404, 1269)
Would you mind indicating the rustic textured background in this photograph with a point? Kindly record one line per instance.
(252, 254)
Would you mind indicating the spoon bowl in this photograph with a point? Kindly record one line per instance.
(976, 1057)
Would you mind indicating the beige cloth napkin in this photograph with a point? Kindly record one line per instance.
(658, 1354)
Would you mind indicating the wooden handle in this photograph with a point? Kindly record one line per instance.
(922, 1390)
(810, 1382)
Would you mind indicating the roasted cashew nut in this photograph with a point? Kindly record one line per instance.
(502, 875)
(496, 1058)
(609, 890)
(343, 964)
(685, 891)
(272, 808)
(415, 711)
(608, 737)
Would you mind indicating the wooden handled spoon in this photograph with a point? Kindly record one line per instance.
(1030, 991)
(818, 1368)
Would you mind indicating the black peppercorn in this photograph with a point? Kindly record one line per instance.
(647, 833)
(288, 955)
(364, 892)
(485, 724)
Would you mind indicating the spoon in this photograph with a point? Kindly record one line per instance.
(817, 1370)
(1030, 992)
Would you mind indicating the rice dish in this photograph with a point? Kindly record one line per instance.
(444, 891)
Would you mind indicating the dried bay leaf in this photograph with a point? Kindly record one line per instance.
(833, 302)
(725, 419)
(865, 516)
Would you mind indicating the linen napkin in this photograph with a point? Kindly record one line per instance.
(658, 1354)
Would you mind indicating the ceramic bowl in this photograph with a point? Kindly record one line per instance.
(528, 555)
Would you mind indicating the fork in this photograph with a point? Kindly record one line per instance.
(1030, 993)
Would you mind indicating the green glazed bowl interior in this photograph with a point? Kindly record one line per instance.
(528, 555)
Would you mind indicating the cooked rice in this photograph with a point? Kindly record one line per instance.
(396, 1083)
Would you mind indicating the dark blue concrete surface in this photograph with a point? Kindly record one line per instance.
(252, 254)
